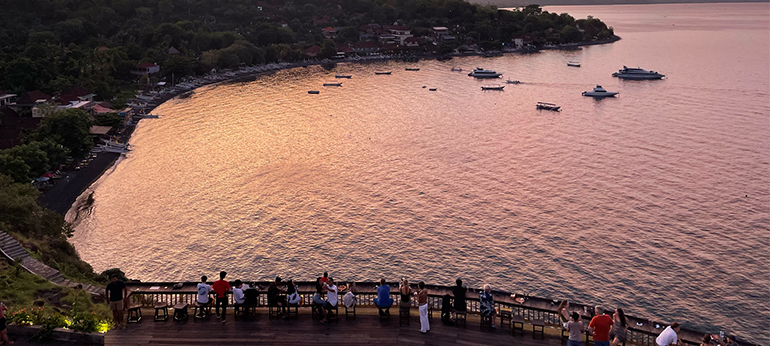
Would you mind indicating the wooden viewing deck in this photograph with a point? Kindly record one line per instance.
(366, 329)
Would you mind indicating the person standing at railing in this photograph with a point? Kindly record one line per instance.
(600, 326)
(221, 287)
(619, 328)
(575, 329)
(669, 336)
(116, 293)
(422, 304)
(383, 299)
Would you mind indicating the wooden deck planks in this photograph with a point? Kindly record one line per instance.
(365, 330)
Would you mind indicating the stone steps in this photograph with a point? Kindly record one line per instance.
(12, 250)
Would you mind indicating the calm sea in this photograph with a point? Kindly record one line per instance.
(657, 201)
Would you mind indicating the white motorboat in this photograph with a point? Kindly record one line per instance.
(573, 64)
(482, 73)
(637, 73)
(492, 87)
(600, 92)
(333, 84)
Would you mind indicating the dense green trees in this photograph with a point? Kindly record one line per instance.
(54, 44)
(60, 134)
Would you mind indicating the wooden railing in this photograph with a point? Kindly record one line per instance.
(531, 309)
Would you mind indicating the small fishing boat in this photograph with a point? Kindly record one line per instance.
(573, 64)
(385, 72)
(457, 69)
(600, 92)
(412, 68)
(313, 92)
(343, 75)
(333, 84)
(548, 106)
(513, 82)
(432, 89)
(492, 87)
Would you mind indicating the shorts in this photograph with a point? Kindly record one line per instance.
(328, 306)
(116, 305)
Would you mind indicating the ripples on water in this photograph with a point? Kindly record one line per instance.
(656, 201)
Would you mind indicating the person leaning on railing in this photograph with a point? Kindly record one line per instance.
(669, 336)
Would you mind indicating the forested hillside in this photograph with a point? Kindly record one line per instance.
(52, 45)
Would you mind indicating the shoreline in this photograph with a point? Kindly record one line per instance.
(64, 196)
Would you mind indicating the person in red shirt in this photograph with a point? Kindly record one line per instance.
(221, 287)
(600, 326)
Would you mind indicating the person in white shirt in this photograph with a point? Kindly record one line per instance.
(238, 292)
(331, 298)
(669, 336)
(204, 290)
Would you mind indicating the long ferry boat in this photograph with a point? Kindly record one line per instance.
(482, 73)
(637, 73)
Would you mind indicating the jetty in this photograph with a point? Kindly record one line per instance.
(523, 320)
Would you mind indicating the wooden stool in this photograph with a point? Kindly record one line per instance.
(134, 313)
(505, 318)
(239, 308)
(350, 311)
(538, 324)
(485, 321)
(180, 311)
(517, 323)
(200, 310)
(404, 313)
(273, 311)
(384, 312)
(335, 315)
(289, 313)
(316, 311)
(161, 307)
(460, 318)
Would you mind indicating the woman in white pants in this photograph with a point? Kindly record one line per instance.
(422, 303)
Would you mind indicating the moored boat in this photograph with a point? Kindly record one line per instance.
(313, 92)
(492, 87)
(412, 68)
(343, 76)
(457, 69)
(383, 72)
(333, 84)
(573, 64)
(637, 73)
(482, 73)
(600, 92)
(548, 106)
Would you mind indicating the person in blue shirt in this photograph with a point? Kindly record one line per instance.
(383, 299)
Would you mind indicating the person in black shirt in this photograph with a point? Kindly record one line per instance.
(459, 293)
(251, 296)
(274, 297)
(116, 292)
